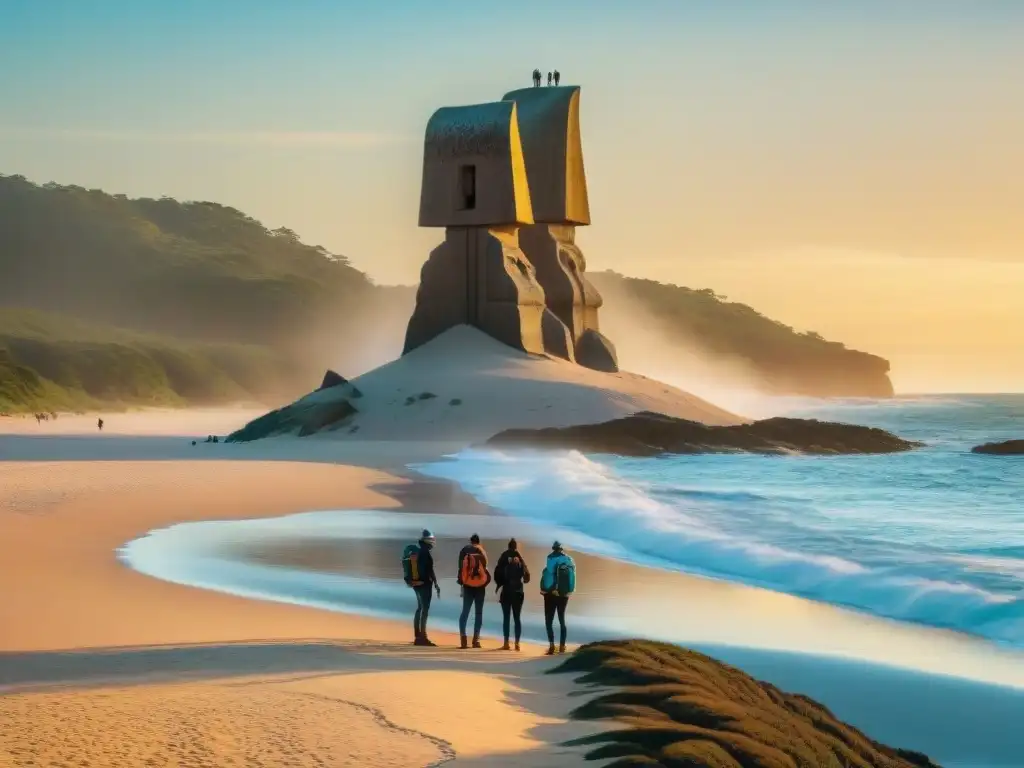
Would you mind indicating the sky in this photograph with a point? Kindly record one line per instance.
(856, 169)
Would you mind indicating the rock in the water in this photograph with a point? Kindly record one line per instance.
(595, 350)
(651, 434)
(677, 707)
(1004, 448)
(334, 379)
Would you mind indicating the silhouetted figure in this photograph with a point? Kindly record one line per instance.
(536, 78)
(510, 575)
(99, 424)
(558, 76)
(549, 78)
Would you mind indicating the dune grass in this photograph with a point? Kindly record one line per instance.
(681, 709)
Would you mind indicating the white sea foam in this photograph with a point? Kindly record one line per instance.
(907, 537)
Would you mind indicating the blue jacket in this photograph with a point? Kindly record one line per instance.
(547, 578)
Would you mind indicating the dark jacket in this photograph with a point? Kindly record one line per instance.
(499, 571)
(468, 549)
(426, 561)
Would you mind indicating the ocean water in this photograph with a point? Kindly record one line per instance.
(934, 536)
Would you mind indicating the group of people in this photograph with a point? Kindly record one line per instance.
(553, 77)
(510, 577)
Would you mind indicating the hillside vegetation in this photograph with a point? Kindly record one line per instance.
(677, 708)
(141, 301)
(51, 362)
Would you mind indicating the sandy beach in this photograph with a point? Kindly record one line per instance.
(103, 666)
(209, 679)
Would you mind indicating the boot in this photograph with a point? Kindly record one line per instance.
(517, 645)
(427, 641)
(476, 642)
(551, 650)
(506, 646)
(561, 648)
(463, 643)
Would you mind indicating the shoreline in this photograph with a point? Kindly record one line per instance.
(62, 521)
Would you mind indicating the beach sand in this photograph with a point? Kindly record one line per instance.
(103, 666)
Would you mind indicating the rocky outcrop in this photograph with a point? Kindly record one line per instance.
(302, 418)
(479, 277)
(1004, 448)
(678, 708)
(595, 350)
(651, 434)
(334, 379)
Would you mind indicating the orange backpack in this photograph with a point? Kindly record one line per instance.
(474, 572)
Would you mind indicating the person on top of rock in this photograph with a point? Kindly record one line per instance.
(557, 583)
(536, 78)
(549, 78)
(558, 76)
(510, 574)
(473, 577)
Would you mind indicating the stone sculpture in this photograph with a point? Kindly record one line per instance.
(553, 150)
(506, 181)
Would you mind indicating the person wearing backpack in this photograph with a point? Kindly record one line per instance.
(418, 571)
(557, 583)
(473, 578)
(510, 574)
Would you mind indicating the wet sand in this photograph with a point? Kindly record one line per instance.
(146, 662)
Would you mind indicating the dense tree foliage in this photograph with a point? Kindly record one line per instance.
(785, 360)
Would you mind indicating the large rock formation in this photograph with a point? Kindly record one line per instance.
(474, 185)
(506, 181)
(651, 434)
(553, 150)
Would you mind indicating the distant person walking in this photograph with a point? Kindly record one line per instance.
(536, 78)
(549, 78)
(558, 76)
(473, 578)
(557, 583)
(418, 571)
(99, 424)
(510, 574)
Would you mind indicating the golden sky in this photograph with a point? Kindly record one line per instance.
(854, 169)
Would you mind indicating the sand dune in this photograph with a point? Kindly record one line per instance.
(464, 385)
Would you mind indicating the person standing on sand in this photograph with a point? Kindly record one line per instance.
(423, 589)
(99, 424)
(473, 578)
(510, 574)
(557, 583)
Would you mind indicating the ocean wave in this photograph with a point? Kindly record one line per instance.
(683, 532)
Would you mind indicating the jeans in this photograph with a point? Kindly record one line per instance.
(423, 597)
(512, 607)
(555, 604)
(471, 596)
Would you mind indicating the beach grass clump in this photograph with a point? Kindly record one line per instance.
(681, 708)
